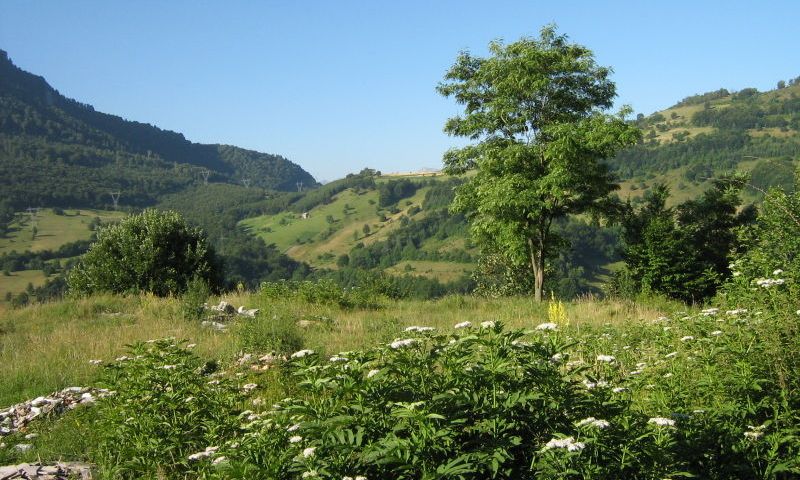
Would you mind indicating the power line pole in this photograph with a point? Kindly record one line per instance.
(115, 198)
(205, 173)
(246, 182)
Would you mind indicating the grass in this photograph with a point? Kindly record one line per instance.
(443, 271)
(52, 230)
(18, 281)
(44, 348)
(306, 239)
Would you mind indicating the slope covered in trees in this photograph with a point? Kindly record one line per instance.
(55, 151)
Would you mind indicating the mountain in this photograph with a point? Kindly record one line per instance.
(706, 135)
(55, 151)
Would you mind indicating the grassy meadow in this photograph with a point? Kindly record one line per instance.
(52, 230)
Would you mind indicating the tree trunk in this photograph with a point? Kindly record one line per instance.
(537, 264)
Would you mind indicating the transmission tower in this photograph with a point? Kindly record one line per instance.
(299, 186)
(115, 198)
(205, 173)
(246, 182)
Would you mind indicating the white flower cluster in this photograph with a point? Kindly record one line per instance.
(205, 453)
(754, 433)
(606, 358)
(302, 353)
(593, 422)
(373, 372)
(709, 312)
(769, 282)
(662, 422)
(737, 311)
(687, 338)
(359, 477)
(249, 387)
(308, 452)
(569, 443)
(547, 326)
(590, 385)
(403, 343)
(295, 439)
(488, 324)
(415, 328)
(337, 358)
(462, 325)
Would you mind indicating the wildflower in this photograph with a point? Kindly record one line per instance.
(569, 443)
(488, 324)
(309, 474)
(736, 273)
(593, 422)
(309, 452)
(373, 372)
(295, 439)
(736, 311)
(687, 338)
(462, 325)
(662, 422)
(192, 345)
(337, 358)
(248, 387)
(671, 355)
(619, 389)
(547, 326)
(302, 353)
(716, 333)
(219, 460)
(293, 428)
(557, 358)
(605, 358)
(123, 358)
(415, 328)
(590, 385)
(205, 453)
(403, 343)
(95, 362)
(641, 365)
(668, 375)
(169, 367)
(777, 272)
(635, 372)
(769, 282)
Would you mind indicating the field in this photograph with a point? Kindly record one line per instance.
(17, 282)
(660, 357)
(331, 229)
(444, 271)
(52, 230)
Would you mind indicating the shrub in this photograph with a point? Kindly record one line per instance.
(192, 302)
(478, 403)
(166, 408)
(151, 252)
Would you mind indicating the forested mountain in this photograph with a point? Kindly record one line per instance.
(55, 151)
(708, 134)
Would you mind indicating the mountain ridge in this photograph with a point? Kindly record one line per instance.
(42, 130)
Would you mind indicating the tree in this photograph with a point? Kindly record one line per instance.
(150, 252)
(683, 252)
(536, 108)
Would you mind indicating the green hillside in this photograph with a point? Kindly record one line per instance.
(55, 151)
(705, 135)
(333, 228)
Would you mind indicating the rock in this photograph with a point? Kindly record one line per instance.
(224, 307)
(251, 313)
(59, 471)
(221, 327)
(23, 447)
(18, 416)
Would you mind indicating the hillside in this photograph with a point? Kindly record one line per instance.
(55, 151)
(708, 134)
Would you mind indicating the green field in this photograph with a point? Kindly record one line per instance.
(319, 241)
(17, 282)
(442, 271)
(52, 230)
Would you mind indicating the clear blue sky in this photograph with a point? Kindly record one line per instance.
(336, 86)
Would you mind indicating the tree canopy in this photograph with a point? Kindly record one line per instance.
(535, 108)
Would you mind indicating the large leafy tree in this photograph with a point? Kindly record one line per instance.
(535, 108)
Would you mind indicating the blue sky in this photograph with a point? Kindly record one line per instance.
(336, 86)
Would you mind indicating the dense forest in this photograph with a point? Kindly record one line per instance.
(55, 151)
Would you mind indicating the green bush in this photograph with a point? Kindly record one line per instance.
(473, 404)
(193, 301)
(151, 252)
(167, 406)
